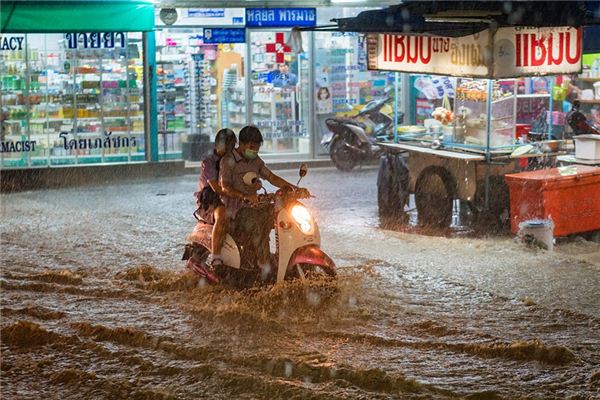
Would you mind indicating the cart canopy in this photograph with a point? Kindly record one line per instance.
(461, 18)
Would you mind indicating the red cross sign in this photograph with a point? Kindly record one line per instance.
(279, 48)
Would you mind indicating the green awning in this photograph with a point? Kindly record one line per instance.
(76, 16)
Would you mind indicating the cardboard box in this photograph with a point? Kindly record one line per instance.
(587, 147)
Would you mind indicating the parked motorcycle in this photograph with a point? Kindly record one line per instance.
(354, 140)
(298, 253)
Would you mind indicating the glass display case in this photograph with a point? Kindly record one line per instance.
(519, 109)
(174, 105)
(72, 104)
(484, 113)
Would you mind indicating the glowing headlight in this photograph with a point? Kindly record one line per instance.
(302, 218)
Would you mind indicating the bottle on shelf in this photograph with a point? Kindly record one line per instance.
(596, 68)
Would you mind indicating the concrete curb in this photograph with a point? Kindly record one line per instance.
(16, 180)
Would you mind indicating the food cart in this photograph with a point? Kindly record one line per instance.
(468, 146)
(478, 138)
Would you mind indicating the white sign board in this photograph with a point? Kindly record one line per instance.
(511, 52)
(463, 56)
(209, 17)
(522, 51)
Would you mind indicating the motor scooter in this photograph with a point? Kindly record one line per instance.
(298, 254)
(354, 140)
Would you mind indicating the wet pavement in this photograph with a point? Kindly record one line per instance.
(96, 304)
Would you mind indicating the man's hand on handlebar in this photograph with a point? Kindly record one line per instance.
(251, 198)
(302, 193)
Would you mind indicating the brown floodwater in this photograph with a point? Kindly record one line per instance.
(96, 304)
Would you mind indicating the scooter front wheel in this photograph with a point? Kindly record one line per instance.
(312, 272)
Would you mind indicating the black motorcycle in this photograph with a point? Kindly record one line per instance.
(353, 141)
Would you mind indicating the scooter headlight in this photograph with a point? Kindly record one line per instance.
(302, 218)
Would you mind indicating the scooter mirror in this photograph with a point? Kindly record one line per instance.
(303, 170)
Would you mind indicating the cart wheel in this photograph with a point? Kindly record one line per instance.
(497, 216)
(344, 158)
(392, 187)
(434, 194)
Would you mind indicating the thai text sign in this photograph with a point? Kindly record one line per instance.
(95, 40)
(462, 56)
(511, 52)
(522, 51)
(224, 35)
(206, 12)
(281, 17)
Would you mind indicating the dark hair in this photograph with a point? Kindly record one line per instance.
(226, 136)
(251, 134)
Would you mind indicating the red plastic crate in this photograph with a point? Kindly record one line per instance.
(572, 202)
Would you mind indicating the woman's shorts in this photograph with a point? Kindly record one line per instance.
(207, 201)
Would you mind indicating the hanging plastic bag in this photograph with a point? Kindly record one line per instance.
(295, 41)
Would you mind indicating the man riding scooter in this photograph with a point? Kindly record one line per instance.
(239, 176)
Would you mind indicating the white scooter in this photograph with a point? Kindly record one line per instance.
(298, 254)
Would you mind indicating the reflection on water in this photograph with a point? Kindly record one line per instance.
(96, 304)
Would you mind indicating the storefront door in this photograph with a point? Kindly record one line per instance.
(343, 85)
(201, 89)
(281, 91)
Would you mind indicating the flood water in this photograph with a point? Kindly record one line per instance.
(96, 304)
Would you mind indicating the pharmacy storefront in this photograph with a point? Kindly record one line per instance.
(233, 67)
(73, 83)
(93, 83)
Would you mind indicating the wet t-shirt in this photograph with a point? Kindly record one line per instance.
(232, 170)
(209, 170)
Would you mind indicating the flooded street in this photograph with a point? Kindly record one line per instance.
(96, 304)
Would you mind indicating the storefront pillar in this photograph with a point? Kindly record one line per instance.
(150, 103)
(312, 125)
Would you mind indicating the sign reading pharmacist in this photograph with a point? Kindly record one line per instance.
(510, 52)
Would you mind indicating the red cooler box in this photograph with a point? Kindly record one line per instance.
(571, 199)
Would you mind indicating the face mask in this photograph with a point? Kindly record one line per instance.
(250, 154)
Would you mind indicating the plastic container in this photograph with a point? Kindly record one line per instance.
(587, 147)
(597, 90)
(569, 197)
(541, 230)
(522, 131)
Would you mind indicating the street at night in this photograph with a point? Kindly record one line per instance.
(96, 304)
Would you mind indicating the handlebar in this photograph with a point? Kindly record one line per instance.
(270, 198)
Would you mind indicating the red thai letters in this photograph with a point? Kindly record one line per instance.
(536, 50)
(409, 49)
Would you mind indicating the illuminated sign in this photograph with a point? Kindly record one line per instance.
(510, 52)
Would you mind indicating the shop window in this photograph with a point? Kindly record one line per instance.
(76, 98)
(201, 89)
(343, 85)
(15, 104)
(280, 93)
